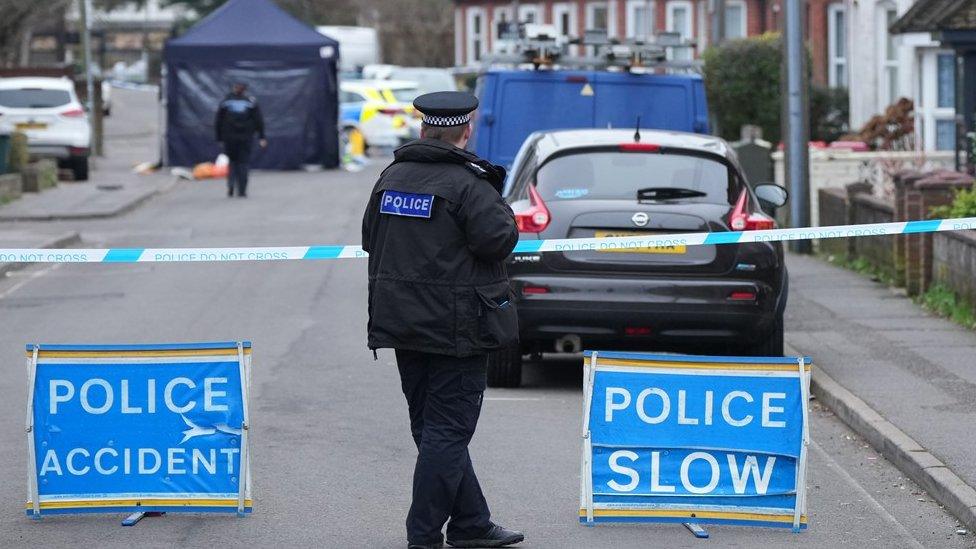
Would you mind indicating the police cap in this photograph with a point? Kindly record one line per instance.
(447, 108)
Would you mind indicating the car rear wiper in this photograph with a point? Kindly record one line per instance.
(666, 193)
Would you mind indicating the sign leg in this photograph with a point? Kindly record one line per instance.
(696, 529)
(134, 518)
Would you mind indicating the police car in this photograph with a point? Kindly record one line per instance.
(608, 183)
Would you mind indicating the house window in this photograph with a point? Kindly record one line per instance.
(529, 13)
(946, 71)
(889, 61)
(945, 135)
(837, 45)
(598, 16)
(476, 34)
(935, 110)
(503, 25)
(564, 17)
(735, 19)
(678, 19)
(640, 19)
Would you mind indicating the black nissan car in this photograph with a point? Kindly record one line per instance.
(606, 183)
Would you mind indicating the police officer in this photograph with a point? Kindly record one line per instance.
(238, 119)
(438, 233)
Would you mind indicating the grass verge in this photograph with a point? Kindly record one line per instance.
(944, 302)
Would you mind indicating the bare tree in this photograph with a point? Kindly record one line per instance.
(18, 22)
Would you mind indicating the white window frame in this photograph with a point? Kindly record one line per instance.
(460, 36)
(927, 111)
(525, 9)
(611, 7)
(834, 59)
(631, 19)
(884, 64)
(744, 26)
(473, 12)
(689, 32)
(562, 8)
(704, 21)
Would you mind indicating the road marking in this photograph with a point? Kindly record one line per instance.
(28, 277)
(888, 517)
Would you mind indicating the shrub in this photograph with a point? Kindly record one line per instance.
(742, 82)
(829, 113)
(19, 157)
(963, 205)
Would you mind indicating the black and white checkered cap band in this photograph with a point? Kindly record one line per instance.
(446, 120)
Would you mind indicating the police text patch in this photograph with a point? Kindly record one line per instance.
(406, 204)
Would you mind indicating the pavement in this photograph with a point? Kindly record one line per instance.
(332, 455)
(131, 138)
(904, 378)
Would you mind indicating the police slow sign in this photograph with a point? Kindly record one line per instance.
(138, 428)
(675, 438)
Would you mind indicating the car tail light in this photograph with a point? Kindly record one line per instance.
(742, 296)
(534, 290)
(744, 220)
(536, 218)
(637, 331)
(73, 113)
(391, 111)
(640, 147)
(77, 151)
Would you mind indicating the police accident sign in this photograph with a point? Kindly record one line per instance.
(123, 428)
(675, 438)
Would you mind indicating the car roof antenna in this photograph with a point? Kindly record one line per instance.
(637, 132)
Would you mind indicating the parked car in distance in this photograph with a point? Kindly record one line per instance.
(381, 109)
(604, 183)
(48, 112)
(428, 79)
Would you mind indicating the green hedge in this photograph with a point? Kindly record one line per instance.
(742, 81)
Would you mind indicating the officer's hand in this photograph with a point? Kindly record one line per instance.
(263, 143)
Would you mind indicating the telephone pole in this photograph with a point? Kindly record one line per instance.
(797, 121)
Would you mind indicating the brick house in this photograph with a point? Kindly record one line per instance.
(476, 24)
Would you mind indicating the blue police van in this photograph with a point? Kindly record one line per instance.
(515, 103)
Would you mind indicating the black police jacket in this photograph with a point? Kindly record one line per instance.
(238, 119)
(438, 233)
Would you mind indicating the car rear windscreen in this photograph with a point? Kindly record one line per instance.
(405, 95)
(33, 98)
(612, 175)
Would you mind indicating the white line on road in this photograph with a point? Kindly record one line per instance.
(885, 515)
(30, 276)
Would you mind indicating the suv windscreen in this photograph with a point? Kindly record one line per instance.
(615, 175)
(33, 98)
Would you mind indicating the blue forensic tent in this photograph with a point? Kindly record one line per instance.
(288, 66)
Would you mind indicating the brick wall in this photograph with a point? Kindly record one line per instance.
(879, 251)
(954, 262)
(833, 211)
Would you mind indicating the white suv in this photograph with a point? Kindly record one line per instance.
(49, 113)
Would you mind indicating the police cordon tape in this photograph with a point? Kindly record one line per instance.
(294, 253)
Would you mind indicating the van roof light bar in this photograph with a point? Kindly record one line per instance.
(543, 46)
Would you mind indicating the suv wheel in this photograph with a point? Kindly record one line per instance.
(771, 345)
(505, 367)
(79, 168)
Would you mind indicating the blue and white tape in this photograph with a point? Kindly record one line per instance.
(296, 253)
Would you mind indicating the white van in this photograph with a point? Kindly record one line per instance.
(358, 46)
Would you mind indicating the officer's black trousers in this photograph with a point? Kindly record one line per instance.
(444, 396)
(239, 154)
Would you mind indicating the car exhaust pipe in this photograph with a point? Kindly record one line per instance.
(569, 344)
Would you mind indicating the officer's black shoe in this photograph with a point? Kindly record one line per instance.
(496, 536)
(427, 546)
(230, 193)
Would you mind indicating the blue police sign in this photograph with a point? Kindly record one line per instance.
(406, 204)
(675, 438)
(120, 428)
